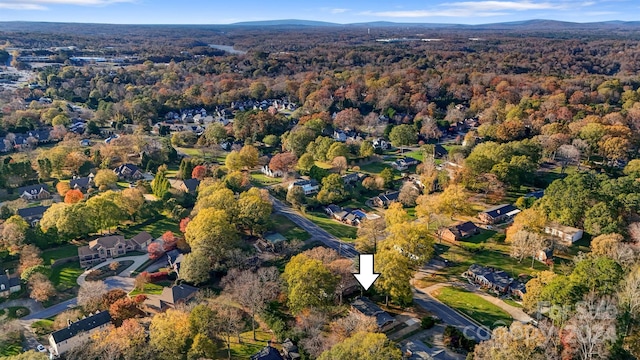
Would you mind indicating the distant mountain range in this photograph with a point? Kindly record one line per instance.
(528, 25)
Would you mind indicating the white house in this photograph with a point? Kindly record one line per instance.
(309, 186)
(77, 332)
(270, 172)
(567, 234)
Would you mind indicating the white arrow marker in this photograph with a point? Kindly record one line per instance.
(366, 277)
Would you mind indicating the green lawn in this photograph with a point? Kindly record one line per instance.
(344, 232)
(16, 312)
(288, 229)
(375, 167)
(66, 274)
(324, 165)
(149, 289)
(50, 255)
(42, 327)
(154, 227)
(474, 306)
(248, 347)
(417, 154)
(260, 179)
(10, 349)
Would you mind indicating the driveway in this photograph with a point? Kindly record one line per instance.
(30, 304)
(137, 262)
(316, 232)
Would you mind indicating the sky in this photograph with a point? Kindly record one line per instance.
(345, 11)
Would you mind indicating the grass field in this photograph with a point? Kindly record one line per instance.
(374, 167)
(149, 289)
(155, 227)
(62, 252)
(288, 229)
(259, 179)
(417, 154)
(473, 306)
(344, 232)
(66, 275)
(248, 348)
(42, 327)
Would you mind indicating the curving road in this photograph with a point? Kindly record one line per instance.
(316, 232)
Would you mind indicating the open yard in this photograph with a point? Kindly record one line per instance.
(260, 180)
(154, 227)
(152, 288)
(65, 276)
(374, 167)
(344, 232)
(288, 229)
(248, 347)
(473, 306)
(62, 252)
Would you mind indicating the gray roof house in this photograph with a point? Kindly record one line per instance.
(81, 183)
(385, 199)
(32, 215)
(367, 307)
(170, 297)
(498, 213)
(128, 171)
(34, 192)
(9, 284)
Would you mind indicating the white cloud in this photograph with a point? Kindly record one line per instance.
(42, 4)
(480, 8)
(339, 11)
(16, 6)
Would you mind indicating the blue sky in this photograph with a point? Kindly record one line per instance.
(345, 11)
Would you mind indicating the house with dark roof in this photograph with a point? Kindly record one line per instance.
(364, 306)
(290, 350)
(77, 332)
(404, 164)
(494, 279)
(353, 178)
(332, 209)
(9, 284)
(35, 192)
(267, 353)
(81, 183)
(385, 199)
(459, 231)
(32, 215)
(128, 172)
(169, 298)
(190, 185)
(498, 214)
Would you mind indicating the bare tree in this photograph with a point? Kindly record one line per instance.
(90, 294)
(370, 232)
(567, 155)
(229, 321)
(593, 327)
(253, 289)
(41, 287)
(339, 163)
(408, 194)
(525, 243)
(629, 293)
(343, 268)
(634, 232)
(430, 128)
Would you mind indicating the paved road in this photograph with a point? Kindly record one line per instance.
(317, 233)
(138, 260)
(30, 304)
(450, 316)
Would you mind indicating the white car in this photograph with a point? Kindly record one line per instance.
(41, 348)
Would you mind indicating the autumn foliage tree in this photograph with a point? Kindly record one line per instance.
(73, 196)
(284, 162)
(155, 250)
(199, 172)
(123, 309)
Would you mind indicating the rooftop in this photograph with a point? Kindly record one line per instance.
(85, 324)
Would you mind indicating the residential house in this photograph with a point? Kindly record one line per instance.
(340, 215)
(381, 144)
(267, 353)
(190, 185)
(498, 214)
(385, 199)
(9, 284)
(272, 241)
(170, 298)
(497, 280)
(364, 306)
(35, 192)
(339, 135)
(128, 172)
(353, 178)
(32, 215)
(404, 164)
(355, 217)
(113, 246)
(308, 186)
(175, 258)
(81, 183)
(270, 172)
(567, 234)
(141, 241)
(459, 231)
(76, 333)
(545, 255)
(439, 151)
(332, 209)
(290, 350)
